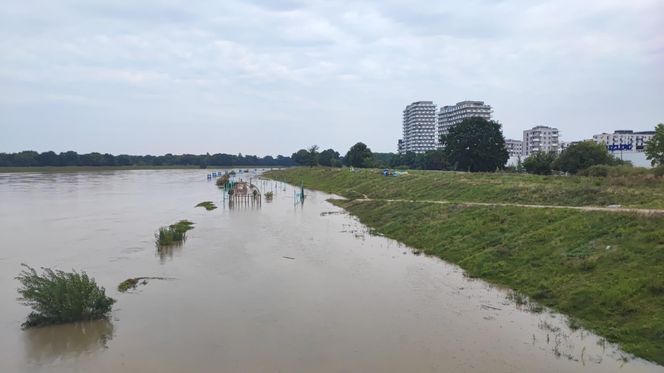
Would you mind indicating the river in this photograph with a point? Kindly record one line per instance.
(280, 287)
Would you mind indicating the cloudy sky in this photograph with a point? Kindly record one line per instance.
(270, 77)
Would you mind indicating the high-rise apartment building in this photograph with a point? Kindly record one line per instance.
(449, 116)
(540, 139)
(419, 127)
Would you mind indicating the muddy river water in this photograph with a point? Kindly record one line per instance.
(280, 288)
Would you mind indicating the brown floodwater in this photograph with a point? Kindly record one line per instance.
(277, 288)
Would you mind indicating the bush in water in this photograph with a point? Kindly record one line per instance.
(60, 297)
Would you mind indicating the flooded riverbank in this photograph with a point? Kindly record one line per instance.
(280, 287)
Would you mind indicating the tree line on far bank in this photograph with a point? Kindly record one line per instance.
(30, 158)
(478, 145)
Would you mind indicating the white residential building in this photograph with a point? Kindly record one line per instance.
(540, 139)
(449, 116)
(514, 147)
(624, 140)
(419, 127)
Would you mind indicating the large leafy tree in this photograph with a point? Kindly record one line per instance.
(359, 155)
(329, 158)
(313, 156)
(655, 147)
(475, 145)
(582, 155)
(301, 157)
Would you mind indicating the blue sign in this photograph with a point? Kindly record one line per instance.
(619, 147)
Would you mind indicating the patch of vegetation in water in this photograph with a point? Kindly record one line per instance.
(174, 234)
(269, 196)
(132, 283)
(208, 205)
(58, 297)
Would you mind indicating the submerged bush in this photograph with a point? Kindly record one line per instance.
(59, 297)
(208, 205)
(173, 234)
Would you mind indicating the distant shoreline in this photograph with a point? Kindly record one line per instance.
(55, 169)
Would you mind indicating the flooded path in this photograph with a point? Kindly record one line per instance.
(277, 288)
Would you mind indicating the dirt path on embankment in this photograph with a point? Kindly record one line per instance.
(648, 212)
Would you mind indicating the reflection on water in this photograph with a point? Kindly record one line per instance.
(49, 343)
(166, 252)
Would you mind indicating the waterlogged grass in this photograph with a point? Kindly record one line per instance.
(58, 297)
(637, 190)
(208, 205)
(606, 270)
(132, 283)
(174, 234)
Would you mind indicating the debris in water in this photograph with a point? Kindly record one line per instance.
(486, 306)
(131, 283)
(288, 257)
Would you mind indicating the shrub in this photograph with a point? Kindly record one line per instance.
(59, 297)
(658, 171)
(599, 170)
(173, 234)
(583, 155)
(539, 163)
(208, 205)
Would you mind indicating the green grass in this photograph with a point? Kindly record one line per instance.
(174, 234)
(643, 191)
(208, 205)
(603, 269)
(58, 297)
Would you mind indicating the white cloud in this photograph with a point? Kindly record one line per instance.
(331, 71)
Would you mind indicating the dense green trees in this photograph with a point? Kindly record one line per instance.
(329, 158)
(475, 145)
(359, 155)
(582, 155)
(540, 163)
(431, 160)
(655, 147)
(31, 158)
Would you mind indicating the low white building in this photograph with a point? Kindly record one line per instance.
(514, 147)
(624, 140)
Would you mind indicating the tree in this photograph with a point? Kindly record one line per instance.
(539, 163)
(475, 145)
(313, 156)
(655, 147)
(359, 155)
(300, 157)
(329, 158)
(434, 160)
(582, 155)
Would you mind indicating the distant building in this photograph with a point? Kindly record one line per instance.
(624, 140)
(449, 116)
(419, 127)
(400, 148)
(540, 139)
(514, 147)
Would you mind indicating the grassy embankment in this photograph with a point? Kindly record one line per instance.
(604, 269)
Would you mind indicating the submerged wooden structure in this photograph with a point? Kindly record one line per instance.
(243, 192)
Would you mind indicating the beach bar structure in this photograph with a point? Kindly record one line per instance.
(245, 193)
